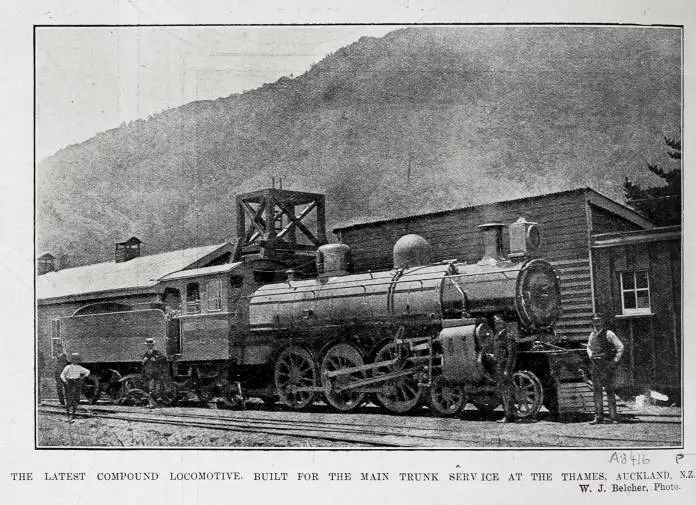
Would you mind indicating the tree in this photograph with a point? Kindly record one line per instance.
(661, 204)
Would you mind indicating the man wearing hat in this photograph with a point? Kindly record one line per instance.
(60, 362)
(154, 368)
(72, 376)
(605, 351)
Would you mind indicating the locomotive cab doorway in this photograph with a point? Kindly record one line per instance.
(172, 308)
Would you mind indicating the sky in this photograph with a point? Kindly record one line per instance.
(92, 79)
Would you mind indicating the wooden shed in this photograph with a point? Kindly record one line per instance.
(638, 286)
(567, 219)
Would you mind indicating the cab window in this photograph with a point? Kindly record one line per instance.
(214, 295)
(193, 298)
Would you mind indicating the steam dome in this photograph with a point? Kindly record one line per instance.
(411, 251)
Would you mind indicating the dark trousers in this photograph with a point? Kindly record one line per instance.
(603, 376)
(73, 389)
(60, 389)
(151, 385)
(507, 392)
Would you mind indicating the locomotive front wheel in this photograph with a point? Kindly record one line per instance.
(338, 357)
(446, 399)
(528, 394)
(90, 388)
(295, 368)
(401, 394)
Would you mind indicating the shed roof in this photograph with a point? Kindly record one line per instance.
(198, 272)
(622, 238)
(593, 196)
(136, 275)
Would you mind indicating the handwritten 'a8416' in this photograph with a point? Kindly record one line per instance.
(629, 458)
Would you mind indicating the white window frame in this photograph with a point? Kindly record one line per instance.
(635, 290)
(217, 307)
(55, 335)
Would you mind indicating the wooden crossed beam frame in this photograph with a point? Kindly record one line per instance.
(256, 217)
(260, 226)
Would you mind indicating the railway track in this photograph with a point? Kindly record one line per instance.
(355, 433)
(378, 431)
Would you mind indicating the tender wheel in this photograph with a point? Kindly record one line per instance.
(90, 388)
(131, 391)
(446, 399)
(398, 395)
(232, 394)
(338, 357)
(486, 402)
(528, 394)
(166, 392)
(294, 368)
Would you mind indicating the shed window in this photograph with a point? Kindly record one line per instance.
(193, 298)
(55, 336)
(214, 295)
(635, 292)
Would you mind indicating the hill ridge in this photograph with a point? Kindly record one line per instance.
(422, 119)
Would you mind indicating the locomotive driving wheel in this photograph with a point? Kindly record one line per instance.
(528, 394)
(293, 369)
(338, 357)
(446, 399)
(401, 394)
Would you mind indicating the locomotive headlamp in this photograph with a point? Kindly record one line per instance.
(525, 239)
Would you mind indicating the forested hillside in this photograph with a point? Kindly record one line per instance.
(422, 119)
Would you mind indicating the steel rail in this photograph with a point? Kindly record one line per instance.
(363, 434)
(282, 430)
(330, 430)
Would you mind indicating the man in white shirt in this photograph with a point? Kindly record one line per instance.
(605, 350)
(72, 375)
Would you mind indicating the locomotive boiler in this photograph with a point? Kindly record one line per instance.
(419, 332)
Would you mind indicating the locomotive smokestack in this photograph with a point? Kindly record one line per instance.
(492, 243)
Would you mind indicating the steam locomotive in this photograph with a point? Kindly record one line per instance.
(422, 333)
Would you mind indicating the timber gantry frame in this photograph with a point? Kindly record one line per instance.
(279, 224)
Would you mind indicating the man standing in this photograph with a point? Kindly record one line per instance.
(61, 361)
(154, 363)
(605, 351)
(504, 363)
(72, 376)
